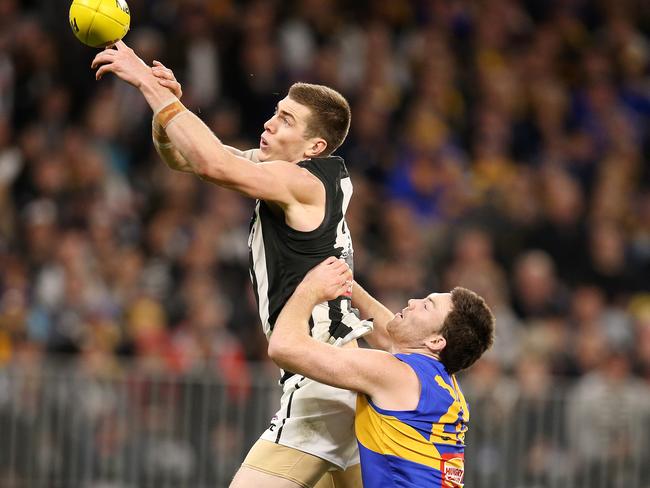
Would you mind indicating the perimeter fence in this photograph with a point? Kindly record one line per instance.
(65, 426)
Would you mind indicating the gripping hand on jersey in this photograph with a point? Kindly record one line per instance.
(329, 280)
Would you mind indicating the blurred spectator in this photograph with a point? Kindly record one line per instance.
(605, 411)
(494, 396)
(537, 292)
(561, 232)
(541, 428)
(611, 267)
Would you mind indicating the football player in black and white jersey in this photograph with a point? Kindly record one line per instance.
(302, 193)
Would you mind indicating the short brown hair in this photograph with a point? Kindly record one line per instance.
(468, 330)
(330, 113)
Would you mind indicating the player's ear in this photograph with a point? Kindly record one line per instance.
(316, 148)
(436, 343)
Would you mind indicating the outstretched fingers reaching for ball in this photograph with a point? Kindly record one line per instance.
(122, 61)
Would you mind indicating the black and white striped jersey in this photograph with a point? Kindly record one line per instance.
(281, 256)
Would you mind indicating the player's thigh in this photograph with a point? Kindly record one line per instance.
(326, 481)
(248, 477)
(350, 478)
(279, 464)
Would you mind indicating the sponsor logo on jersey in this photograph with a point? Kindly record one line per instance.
(453, 470)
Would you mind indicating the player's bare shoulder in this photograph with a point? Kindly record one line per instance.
(304, 186)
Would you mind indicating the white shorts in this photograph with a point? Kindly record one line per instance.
(317, 419)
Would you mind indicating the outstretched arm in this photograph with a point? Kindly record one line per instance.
(376, 373)
(165, 148)
(250, 154)
(161, 142)
(277, 181)
(370, 307)
(175, 160)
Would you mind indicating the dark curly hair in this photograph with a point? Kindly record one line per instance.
(468, 330)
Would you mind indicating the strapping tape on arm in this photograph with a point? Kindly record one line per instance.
(169, 112)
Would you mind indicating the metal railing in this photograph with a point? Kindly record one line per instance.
(561, 440)
(72, 427)
(68, 428)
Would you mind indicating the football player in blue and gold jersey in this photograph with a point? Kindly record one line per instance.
(411, 415)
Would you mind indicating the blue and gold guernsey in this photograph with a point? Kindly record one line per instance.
(415, 448)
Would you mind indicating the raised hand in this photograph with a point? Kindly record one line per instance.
(122, 61)
(166, 78)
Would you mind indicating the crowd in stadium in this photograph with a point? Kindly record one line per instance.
(500, 145)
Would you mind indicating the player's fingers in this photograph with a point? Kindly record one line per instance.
(173, 86)
(342, 267)
(161, 73)
(120, 45)
(101, 58)
(338, 269)
(342, 290)
(348, 289)
(158, 64)
(330, 260)
(106, 68)
(168, 83)
(162, 67)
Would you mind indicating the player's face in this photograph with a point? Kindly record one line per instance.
(420, 319)
(283, 138)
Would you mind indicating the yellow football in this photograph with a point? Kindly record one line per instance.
(99, 23)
